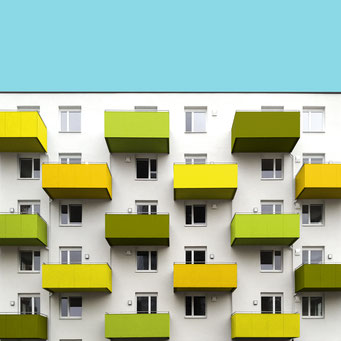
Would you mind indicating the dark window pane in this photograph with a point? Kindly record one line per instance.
(278, 260)
(188, 257)
(199, 305)
(315, 306)
(188, 305)
(76, 257)
(305, 214)
(142, 169)
(278, 168)
(305, 307)
(37, 260)
(199, 214)
(142, 209)
(188, 215)
(26, 168)
(278, 305)
(305, 256)
(316, 257)
(316, 213)
(153, 165)
(153, 265)
(25, 209)
(199, 257)
(26, 260)
(25, 305)
(75, 213)
(266, 260)
(75, 306)
(64, 257)
(153, 304)
(267, 305)
(64, 306)
(188, 121)
(142, 304)
(153, 209)
(36, 168)
(267, 168)
(142, 260)
(37, 305)
(267, 209)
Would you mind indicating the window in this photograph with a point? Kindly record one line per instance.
(312, 214)
(29, 168)
(29, 260)
(195, 255)
(271, 260)
(29, 304)
(146, 260)
(195, 306)
(272, 108)
(146, 169)
(313, 158)
(195, 159)
(71, 255)
(272, 207)
(195, 214)
(70, 158)
(145, 108)
(71, 306)
(195, 120)
(29, 207)
(146, 303)
(312, 255)
(313, 119)
(70, 119)
(271, 303)
(146, 207)
(272, 169)
(312, 306)
(71, 214)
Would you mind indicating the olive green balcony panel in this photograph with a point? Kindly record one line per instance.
(265, 131)
(22, 229)
(22, 131)
(318, 277)
(137, 326)
(265, 229)
(137, 229)
(137, 131)
(23, 327)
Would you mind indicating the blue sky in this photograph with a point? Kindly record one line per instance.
(161, 45)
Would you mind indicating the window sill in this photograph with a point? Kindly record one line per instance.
(195, 132)
(195, 317)
(272, 271)
(313, 317)
(70, 225)
(314, 132)
(28, 272)
(145, 179)
(68, 132)
(146, 271)
(272, 179)
(28, 178)
(312, 225)
(196, 225)
(70, 318)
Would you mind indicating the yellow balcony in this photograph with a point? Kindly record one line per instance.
(208, 181)
(76, 277)
(205, 277)
(22, 131)
(319, 181)
(77, 181)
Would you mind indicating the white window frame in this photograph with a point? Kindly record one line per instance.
(273, 295)
(274, 168)
(192, 209)
(33, 268)
(68, 317)
(193, 111)
(309, 111)
(68, 214)
(69, 156)
(150, 172)
(192, 316)
(146, 203)
(313, 224)
(149, 261)
(32, 158)
(68, 249)
(193, 249)
(191, 159)
(273, 203)
(32, 203)
(312, 156)
(312, 248)
(31, 296)
(309, 306)
(273, 260)
(149, 295)
(69, 110)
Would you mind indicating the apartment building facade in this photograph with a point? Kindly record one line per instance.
(170, 216)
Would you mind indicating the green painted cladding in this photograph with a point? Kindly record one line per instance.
(16, 326)
(265, 229)
(137, 131)
(265, 131)
(318, 277)
(137, 326)
(22, 229)
(137, 229)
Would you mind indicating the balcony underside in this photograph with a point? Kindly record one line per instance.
(137, 145)
(78, 193)
(264, 241)
(320, 193)
(21, 145)
(138, 241)
(204, 193)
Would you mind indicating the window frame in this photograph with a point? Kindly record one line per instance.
(192, 316)
(69, 249)
(150, 172)
(313, 248)
(192, 215)
(149, 295)
(274, 168)
(309, 296)
(33, 271)
(189, 159)
(321, 224)
(146, 203)
(31, 203)
(273, 203)
(194, 249)
(273, 295)
(273, 260)
(32, 297)
(308, 110)
(32, 158)
(68, 111)
(68, 317)
(69, 156)
(69, 224)
(194, 110)
(149, 262)
(311, 156)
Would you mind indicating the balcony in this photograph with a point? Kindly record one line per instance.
(265, 229)
(77, 181)
(22, 230)
(265, 131)
(319, 181)
(137, 131)
(318, 277)
(273, 326)
(137, 229)
(22, 131)
(76, 277)
(205, 277)
(137, 326)
(205, 182)
(23, 327)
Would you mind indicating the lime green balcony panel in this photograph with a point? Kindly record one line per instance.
(265, 229)
(137, 229)
(137, 131)
(22, 229)
(22, 131)
(318, 277)
(265, 326)
(265, 131)
(23, 327)
(137, 326)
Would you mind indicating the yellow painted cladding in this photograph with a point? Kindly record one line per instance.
(205, 277)
(22, 131)
(319, 181)
(76, 277)
(77, 181)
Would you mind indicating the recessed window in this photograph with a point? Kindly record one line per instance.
(70, 255)
(313, 119)
(195, 120)
(195, 306)
(70, 119)
(71, 306)
(313, 158)
(271, 260)
(29, 207)
(312, 256)
(70, 158)
(146, 260)
(271, 303)
(29, 168)
(71, 214)
(146, 207)
(195, 159)
(29, 304)
(195, 255)
(146, 169)
(272, 169)
(312, 306)
(146, 303)
(29, 260)
(272, 207)
(312, 214)
(195, 214)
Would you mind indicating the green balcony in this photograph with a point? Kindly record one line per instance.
(318, 277)
(137, 131)
(137, 326)
(265, 131)
(265, 229)
(22, 229)
(137, 229)
(23, 327)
